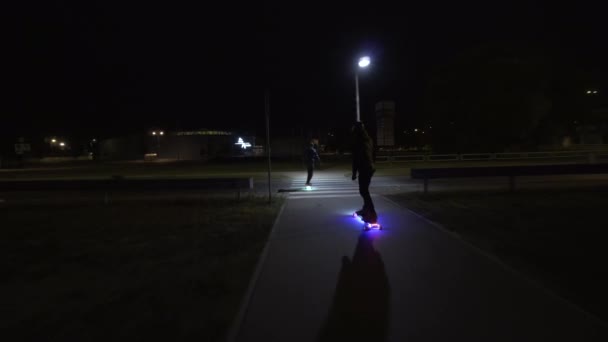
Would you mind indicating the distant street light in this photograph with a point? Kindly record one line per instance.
(62, 144)
(364, 62)
(153, 133)
(53, 141)
(162, 133)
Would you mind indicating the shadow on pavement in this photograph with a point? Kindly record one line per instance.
(360, 309)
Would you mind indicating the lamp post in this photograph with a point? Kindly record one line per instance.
(364, 62)
(158, 135)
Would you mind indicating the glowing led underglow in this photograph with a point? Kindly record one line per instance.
(373, 226)
(367, 224)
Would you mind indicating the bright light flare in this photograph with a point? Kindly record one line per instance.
(364, 62)
(61, 144)
(153, 133)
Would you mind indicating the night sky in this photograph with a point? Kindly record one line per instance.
(102, 68)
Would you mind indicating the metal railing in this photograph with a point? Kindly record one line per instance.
(591, 155)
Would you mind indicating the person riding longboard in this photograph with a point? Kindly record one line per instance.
(363, 165)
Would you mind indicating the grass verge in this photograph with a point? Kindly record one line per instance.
(557, 237)
(171, 269)
(102, 170)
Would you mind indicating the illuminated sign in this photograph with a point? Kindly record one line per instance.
(243, 144)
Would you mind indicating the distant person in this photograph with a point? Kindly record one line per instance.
(310, 158)
(363, 164)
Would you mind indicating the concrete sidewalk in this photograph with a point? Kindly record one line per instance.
(324, 279)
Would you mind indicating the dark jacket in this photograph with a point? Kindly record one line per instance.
(363, 154)
(311, 155)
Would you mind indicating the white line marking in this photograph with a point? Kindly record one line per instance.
(320, 192)
(322, 196)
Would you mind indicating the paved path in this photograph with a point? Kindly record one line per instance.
(323, 279)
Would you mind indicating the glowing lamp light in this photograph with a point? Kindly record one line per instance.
(244, 144)
(162, 133)
(364, 62)
(53, 140)
(153, 133)
(61, 144)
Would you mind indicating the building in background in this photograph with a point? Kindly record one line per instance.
(385, 124)
(130, 147)
(201, 144)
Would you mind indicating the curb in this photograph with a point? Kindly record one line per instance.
(240, 317)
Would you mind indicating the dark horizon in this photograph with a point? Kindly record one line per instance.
(103, 69)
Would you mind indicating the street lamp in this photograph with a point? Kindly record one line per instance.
(158, 135)
(364, 62)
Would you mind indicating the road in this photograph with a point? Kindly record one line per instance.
(321, 278)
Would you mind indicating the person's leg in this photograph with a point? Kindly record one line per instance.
(312, 172)
(369, 198)
(364, 181)
(309, 174)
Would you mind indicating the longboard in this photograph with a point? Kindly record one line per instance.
(368, 225)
